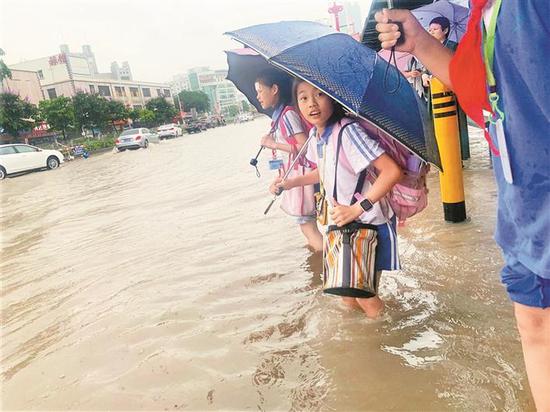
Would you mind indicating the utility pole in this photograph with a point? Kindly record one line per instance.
(336, 9)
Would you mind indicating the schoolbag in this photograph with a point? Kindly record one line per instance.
(410, 195)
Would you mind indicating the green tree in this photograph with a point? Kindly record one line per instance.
(116, 111)
(91, 111)
(246, 106)
(146, 116)
(16, 114)
(5, 72)
(164, 111)
(233, 110)
(58, 113)
(197, 100)
(134, 114)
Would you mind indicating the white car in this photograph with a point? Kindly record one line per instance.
(136, 138)
(169, 130)
(15, 158)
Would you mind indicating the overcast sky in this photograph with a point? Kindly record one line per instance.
(159, 38)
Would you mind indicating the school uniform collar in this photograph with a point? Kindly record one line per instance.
(326, 134)
(277, 112)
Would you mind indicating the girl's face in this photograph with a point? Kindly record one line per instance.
(315, 106)
(267, 96)
(436, 31)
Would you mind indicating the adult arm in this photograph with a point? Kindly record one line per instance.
(417, 41)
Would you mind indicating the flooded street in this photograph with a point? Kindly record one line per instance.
(151, 280)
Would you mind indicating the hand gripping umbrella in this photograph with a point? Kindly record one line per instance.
(350, 73)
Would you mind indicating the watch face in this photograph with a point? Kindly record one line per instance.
(366, 205)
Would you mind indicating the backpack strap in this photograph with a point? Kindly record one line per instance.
(362, 175)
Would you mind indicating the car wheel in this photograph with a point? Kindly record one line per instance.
(146, 144)
(2, 173)
(52, 162)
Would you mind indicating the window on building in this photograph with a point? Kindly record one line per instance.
(167, 93)
(120, 91)
(40, 74)
(92, 89)
(159, 92)
(51, 93)
(146, 92)
(134, 91)
(104, 90)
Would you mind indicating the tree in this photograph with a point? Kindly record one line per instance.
(197, 100)
(233, 110)
(16, 114)
(58, 113)
(90, 110)
(146, 116)
(5, 72)
(164, 111)
(134, 114)
(116, 111)
(246, 106)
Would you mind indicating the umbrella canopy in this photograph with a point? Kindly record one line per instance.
(457, 15)
(351, 74)
(244, 67)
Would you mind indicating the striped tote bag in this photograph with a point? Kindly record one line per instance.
(349, 260)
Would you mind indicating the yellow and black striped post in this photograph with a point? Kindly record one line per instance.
(448, 140)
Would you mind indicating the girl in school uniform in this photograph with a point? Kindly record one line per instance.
(287, 135)
(359, 152)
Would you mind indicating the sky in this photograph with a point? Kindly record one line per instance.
(159, 38)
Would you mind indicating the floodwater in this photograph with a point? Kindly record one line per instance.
(151, 280)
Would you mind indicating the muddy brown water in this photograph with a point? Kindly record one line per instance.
(150, 280)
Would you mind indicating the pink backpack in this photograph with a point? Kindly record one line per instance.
(298, 201)
(410, 195)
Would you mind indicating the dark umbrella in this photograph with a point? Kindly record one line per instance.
(350, 73)
(244, 66)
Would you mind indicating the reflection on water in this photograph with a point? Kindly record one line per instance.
(150, 279)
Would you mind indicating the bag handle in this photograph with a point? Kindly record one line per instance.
(362, 175)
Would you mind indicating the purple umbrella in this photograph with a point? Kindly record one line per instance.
(457, 15)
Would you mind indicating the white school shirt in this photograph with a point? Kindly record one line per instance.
(360, 150)
(292, 124)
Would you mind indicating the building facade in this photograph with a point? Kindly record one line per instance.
(24, 83)
(67, 73)
(221, 92)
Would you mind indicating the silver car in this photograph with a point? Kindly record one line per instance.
(135, 138)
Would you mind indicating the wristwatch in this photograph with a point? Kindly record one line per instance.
(365, 203)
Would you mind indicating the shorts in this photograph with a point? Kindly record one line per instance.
(300, 220)
(524, 286)
(387, 252)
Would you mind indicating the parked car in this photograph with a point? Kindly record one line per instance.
(136, 138)
(17, 157)
(169, 130)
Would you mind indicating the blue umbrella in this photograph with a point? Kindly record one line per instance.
(351, 74)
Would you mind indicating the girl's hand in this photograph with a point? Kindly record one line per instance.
(342, 214)
(268, 141)
(278, 184)
(389, 31)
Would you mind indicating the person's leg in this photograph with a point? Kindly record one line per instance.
(351, 303)
(372, 307)
(312, 234)
(534, 328)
